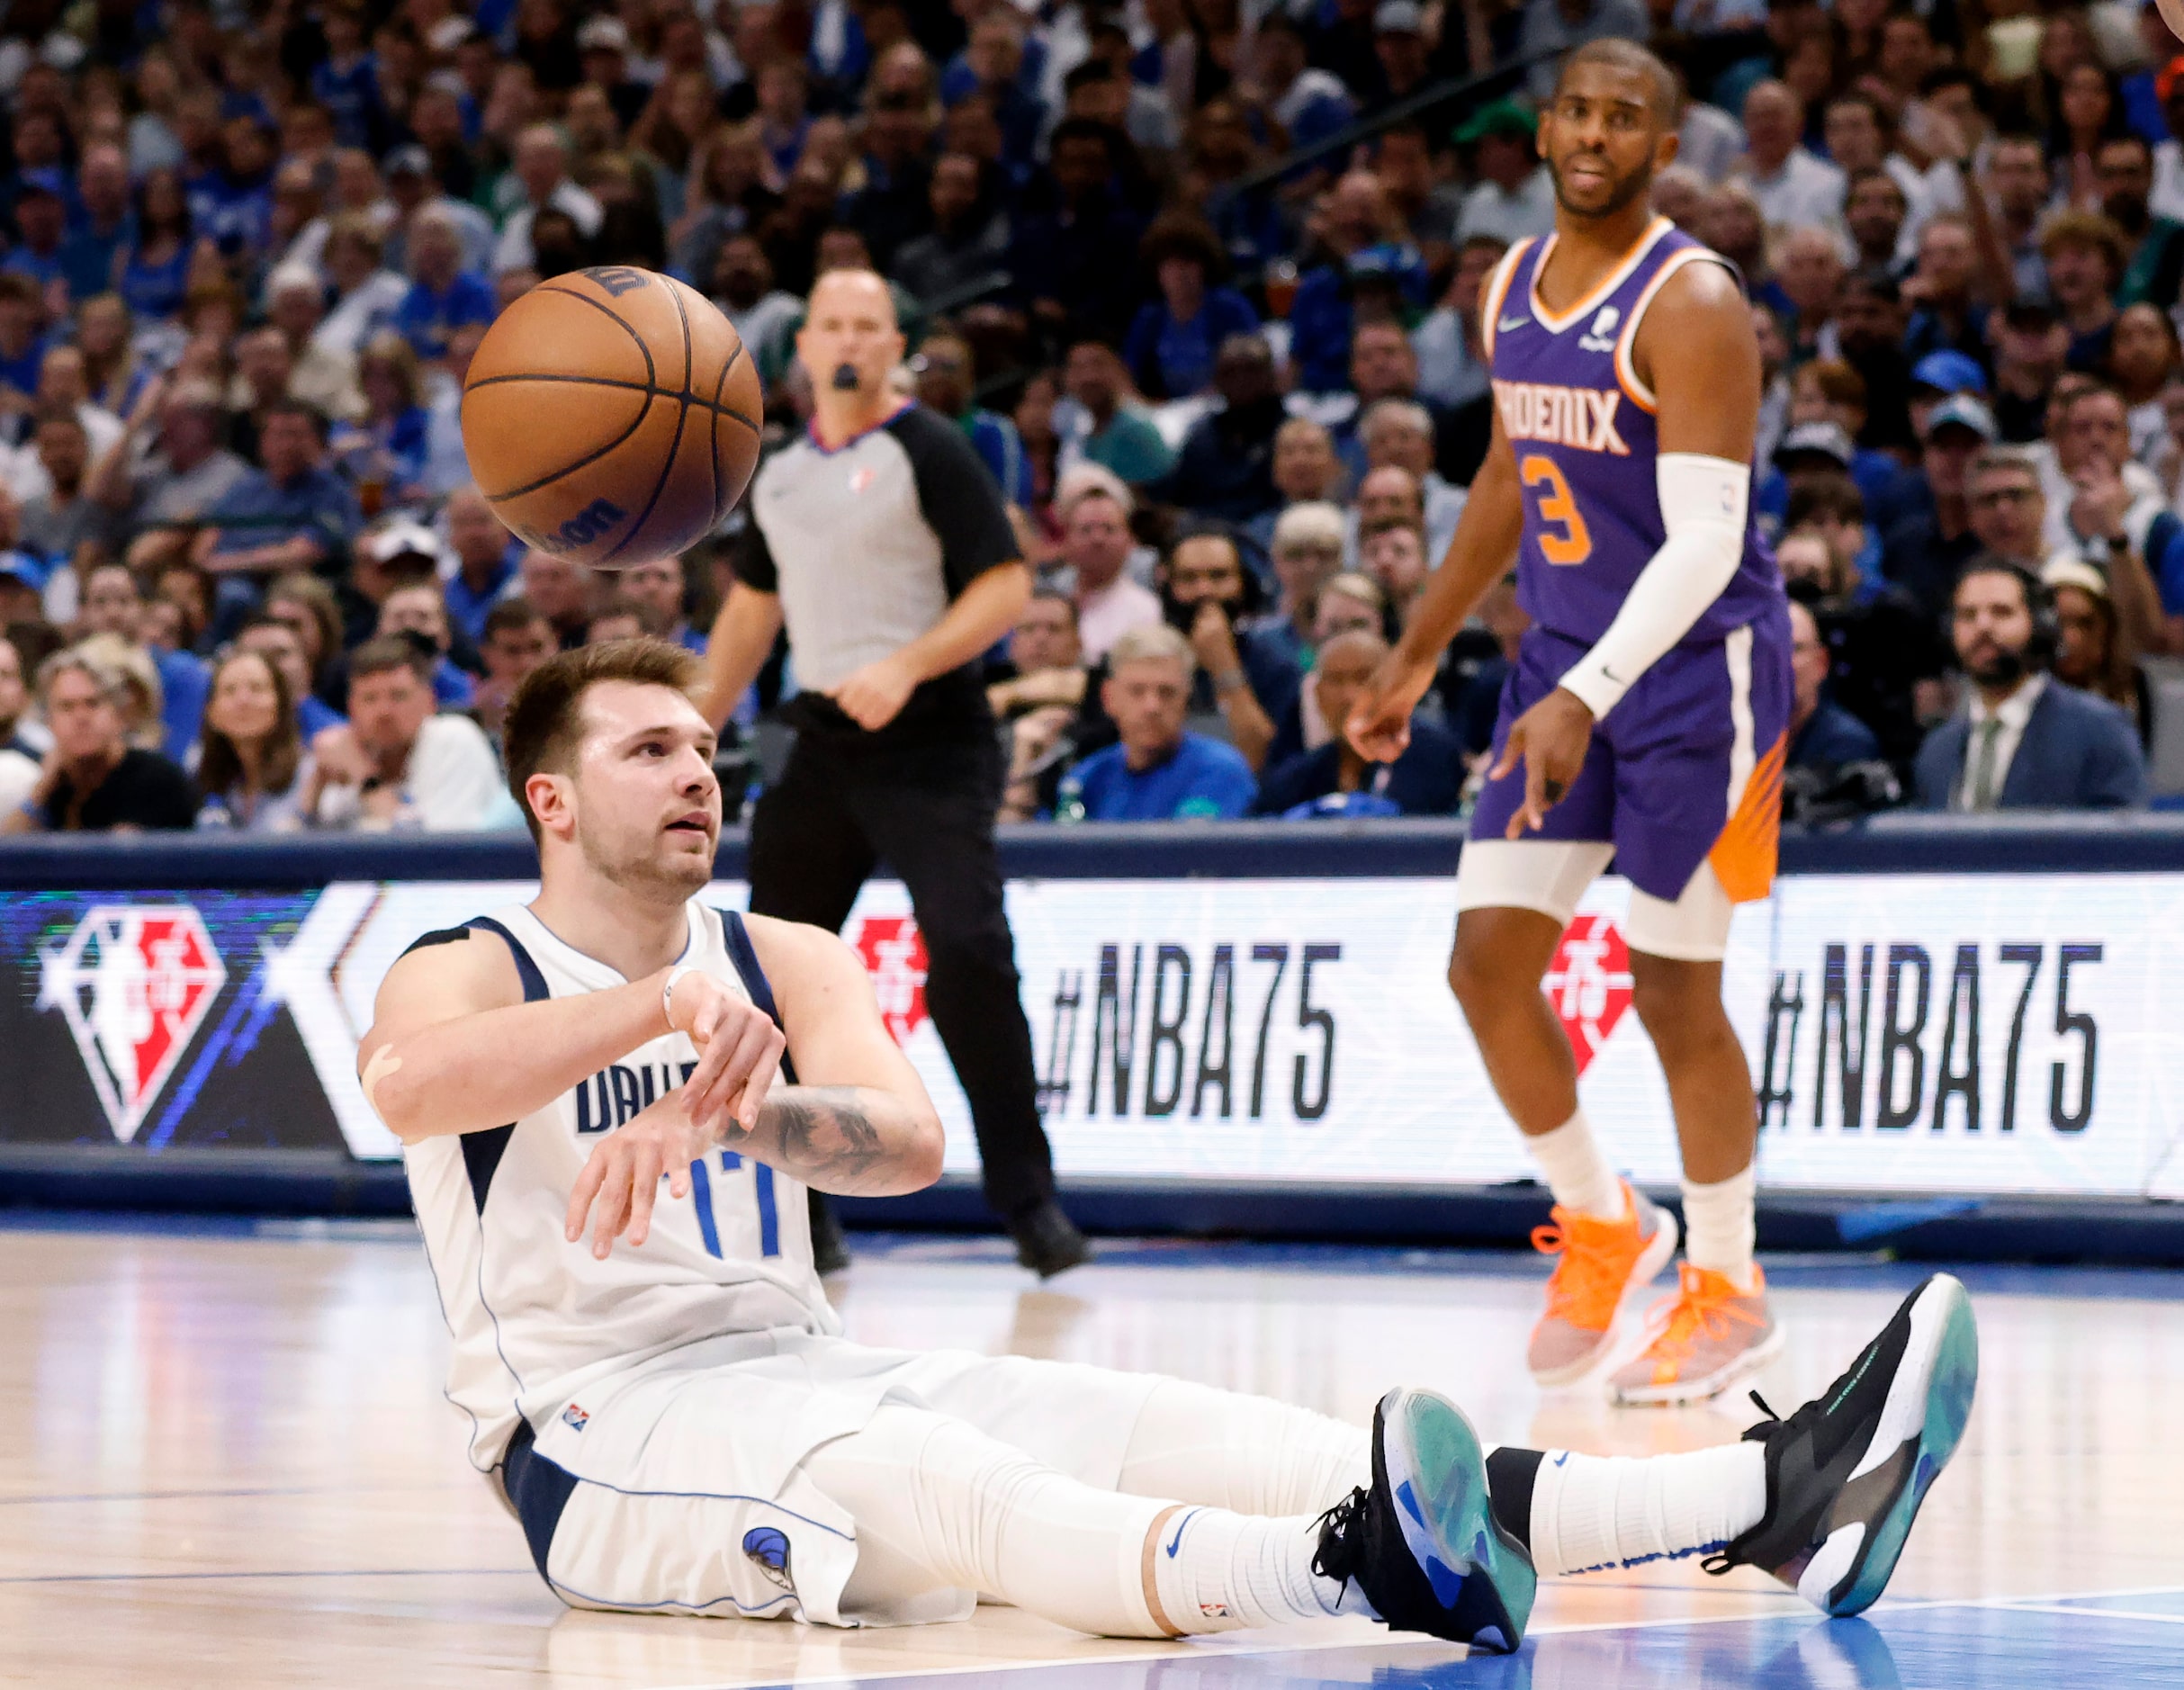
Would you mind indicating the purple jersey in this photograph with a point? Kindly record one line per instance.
(1582, 427)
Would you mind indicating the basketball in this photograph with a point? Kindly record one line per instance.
(611, 416)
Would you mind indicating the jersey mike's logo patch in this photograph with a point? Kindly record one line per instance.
(1588, 985)
(1581, 418)
(1601, 336)
(765, 1548)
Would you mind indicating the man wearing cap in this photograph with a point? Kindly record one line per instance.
(1514, 197)
(1930, 538)
(2030, 346)
(602, 44)
(1398, 42)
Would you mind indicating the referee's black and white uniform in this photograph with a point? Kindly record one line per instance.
(862, 550)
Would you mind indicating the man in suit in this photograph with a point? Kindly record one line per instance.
(2024, 740)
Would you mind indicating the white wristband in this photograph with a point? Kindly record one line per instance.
(667, 992)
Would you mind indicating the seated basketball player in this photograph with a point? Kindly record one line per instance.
(655, 1382)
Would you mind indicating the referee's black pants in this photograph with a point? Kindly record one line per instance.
(927, 810)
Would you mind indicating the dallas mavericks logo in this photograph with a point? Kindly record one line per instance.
(767, 1549)
(1601, 336)
(134, 982)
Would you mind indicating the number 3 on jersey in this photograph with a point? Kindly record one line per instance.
(1557, 510)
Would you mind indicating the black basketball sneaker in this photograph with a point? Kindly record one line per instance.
(1423, 1544)
(1846, 1472)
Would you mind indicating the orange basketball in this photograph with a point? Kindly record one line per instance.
(611, 416)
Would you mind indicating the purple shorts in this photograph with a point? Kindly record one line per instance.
(1688, 767)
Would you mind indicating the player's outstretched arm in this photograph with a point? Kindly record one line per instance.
(450, 1017)
(859, 1121)
(1479, 553)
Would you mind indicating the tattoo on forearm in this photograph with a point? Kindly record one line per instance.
(824, 1134)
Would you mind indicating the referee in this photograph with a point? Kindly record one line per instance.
(881, 541)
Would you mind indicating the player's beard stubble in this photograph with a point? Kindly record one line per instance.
(1625, 189)
(635, 860)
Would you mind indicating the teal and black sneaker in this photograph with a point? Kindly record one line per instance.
(1423, 1544)
(1846, 1472)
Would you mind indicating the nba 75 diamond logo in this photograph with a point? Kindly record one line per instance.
(1588, 985)
(134, 982)
(894, 953)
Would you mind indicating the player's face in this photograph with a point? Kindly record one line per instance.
(647, 805)
(1603, 140)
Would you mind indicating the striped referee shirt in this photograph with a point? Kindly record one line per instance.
(867, 546)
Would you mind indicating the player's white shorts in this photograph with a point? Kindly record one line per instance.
(676, 1488)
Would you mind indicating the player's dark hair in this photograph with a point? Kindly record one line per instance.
(1667, 97)
(546, 718)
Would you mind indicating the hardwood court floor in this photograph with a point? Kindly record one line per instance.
(227, 1462)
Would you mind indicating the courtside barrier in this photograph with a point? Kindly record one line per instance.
(1962, 1032)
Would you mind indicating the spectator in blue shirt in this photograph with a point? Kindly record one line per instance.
(280, 645)
(946, 379)
(155, 261)
(1368, 246)
(443, 296)
(486, 556)
(292, 514)
(234, 206)
(113, 604)
(1426, 780)
(417, 610)
(1158, 772)
(102, 223)
(1173, 341)
(41, 222)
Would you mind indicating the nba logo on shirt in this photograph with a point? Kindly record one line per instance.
(1601, 336)
(575, 1418)
(860, 477)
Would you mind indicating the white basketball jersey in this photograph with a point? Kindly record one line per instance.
(534, 1317)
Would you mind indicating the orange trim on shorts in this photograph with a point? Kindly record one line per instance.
(1744, 856)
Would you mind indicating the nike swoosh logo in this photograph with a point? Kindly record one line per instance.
(1507, 323)
(1176, 1541)
(1562, 1458)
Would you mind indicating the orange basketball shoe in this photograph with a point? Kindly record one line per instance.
(1705, 1338)
(1602, 1261)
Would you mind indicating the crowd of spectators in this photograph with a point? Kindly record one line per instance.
(246, 583)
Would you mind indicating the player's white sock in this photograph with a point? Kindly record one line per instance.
(1591, 1512)
(1218, 1571)
(1718, 1227)
(1576, 1172)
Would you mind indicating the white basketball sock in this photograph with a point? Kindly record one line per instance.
(1217, 1571)
(1576, 1172)
(1718, 1227)
(1590, 1511)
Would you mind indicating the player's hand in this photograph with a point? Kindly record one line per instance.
(615, 1193)
(1551, 740)
(876, 694)
(739, 1051)
(1378, 727)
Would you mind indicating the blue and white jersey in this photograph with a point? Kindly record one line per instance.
(535, 1319)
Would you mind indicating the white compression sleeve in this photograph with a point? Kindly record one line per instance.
(1703, 501)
